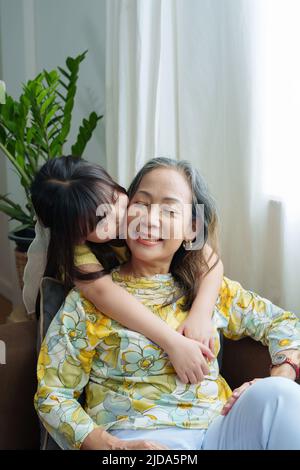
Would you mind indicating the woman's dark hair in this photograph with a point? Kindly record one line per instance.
(65, 194)
(188, 266)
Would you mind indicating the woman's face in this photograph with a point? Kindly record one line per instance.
(113, 224)
(162, 205)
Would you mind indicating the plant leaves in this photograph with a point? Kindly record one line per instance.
(85, 133)
(34, 128)
(2, 92)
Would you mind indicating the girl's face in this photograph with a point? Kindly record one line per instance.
(163, 205)
(113, 224)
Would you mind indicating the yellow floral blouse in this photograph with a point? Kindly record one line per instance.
(83, 255)
(128, 380)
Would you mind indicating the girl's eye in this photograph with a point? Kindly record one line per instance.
(140, 204)
(100, 218)
(107, 213)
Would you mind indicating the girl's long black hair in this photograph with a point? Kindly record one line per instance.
(65, 194)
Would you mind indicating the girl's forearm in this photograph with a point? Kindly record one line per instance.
(208, 292)
(120, 305)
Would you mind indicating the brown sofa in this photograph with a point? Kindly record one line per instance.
(19, 426)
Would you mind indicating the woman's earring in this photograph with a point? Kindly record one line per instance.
(188, 245)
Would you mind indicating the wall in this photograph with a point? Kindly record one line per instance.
(37, 34)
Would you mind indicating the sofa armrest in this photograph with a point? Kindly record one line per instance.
(19, 426)
(244, 360)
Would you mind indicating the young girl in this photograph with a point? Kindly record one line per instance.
(66, 194)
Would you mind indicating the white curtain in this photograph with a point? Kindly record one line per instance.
(189, 79)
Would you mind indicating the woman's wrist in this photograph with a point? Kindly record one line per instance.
(99, 439)
(283, 370)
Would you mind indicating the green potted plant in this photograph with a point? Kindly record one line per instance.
(33, 129)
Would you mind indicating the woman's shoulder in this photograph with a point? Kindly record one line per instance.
(78, 310)
(73, 305)
(230, 286)
(71, 313)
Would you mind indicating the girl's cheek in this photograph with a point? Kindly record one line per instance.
(101, 234)
(91, 237)
(122, 216)
(121, 207)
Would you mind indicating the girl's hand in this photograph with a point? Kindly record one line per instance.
(199, 329)
(235, 395)
(187, 358)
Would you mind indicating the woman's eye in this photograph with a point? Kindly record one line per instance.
(169, 210)
(138, 209)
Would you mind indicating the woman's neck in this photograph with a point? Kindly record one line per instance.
(137, 268)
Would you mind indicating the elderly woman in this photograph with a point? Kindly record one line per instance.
(133, 397)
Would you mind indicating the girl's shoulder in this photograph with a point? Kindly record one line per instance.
(84, 255)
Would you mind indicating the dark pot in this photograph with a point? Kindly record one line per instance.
(22, 238)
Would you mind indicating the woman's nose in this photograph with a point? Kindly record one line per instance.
(154, 216)
(151, 223)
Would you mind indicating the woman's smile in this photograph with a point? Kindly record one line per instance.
(148, 242)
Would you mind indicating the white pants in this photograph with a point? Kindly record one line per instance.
(266, 416)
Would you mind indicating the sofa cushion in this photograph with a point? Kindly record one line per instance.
(51, 299)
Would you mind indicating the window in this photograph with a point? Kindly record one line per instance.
(281, 99)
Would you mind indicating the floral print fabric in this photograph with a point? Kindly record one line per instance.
(128, 380)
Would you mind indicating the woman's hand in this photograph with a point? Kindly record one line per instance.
(199, 329)
(187, 358)
(284, 370)
(235, 396)
(99, 439)
(138, 444)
